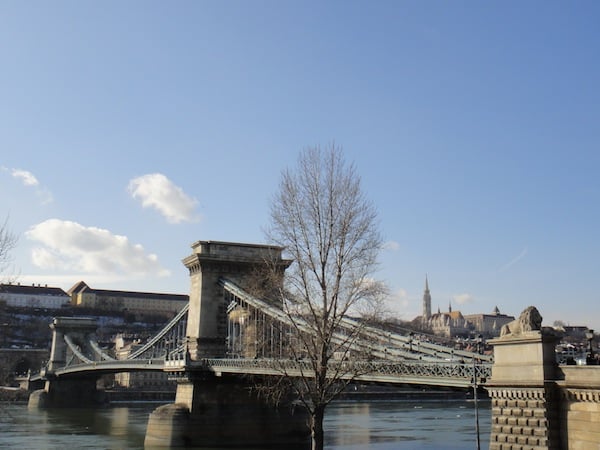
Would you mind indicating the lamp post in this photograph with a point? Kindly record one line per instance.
(410, 340)
(478, 342)
(589, 335)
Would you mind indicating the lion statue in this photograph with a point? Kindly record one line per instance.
(529, 320)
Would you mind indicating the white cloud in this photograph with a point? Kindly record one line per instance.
(69, 246)
(391, 245)
(461, 299)
(156, 191)
(27, 178)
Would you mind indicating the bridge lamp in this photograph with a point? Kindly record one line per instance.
(589, 335)
(479, 341)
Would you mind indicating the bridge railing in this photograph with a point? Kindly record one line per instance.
(363, 370)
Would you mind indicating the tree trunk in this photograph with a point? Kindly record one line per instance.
(316, 426)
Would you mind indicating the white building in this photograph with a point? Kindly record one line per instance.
(34, 296)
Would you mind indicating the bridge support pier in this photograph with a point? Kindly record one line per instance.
(211, 411)
(71, 393)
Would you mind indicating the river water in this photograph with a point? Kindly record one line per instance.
(409, 424)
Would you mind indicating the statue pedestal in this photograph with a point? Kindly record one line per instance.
(526, 358)
(523, 392)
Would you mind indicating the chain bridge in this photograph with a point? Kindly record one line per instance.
(256, 331)
(224, 340)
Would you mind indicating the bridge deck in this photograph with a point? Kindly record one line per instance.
(418, 373)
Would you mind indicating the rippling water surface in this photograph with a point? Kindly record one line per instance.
(349, 425)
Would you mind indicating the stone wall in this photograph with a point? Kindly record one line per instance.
(522, 419)
(580, 407)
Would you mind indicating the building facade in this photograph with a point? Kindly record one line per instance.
(34, 296)
(454, 323)
(141, 304)
(489, 324)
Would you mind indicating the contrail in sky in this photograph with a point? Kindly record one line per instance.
(513, 261)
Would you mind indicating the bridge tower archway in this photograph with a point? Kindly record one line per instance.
(78, 329)
(209, 262)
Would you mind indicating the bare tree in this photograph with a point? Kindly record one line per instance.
(330, 231)
(8, 241)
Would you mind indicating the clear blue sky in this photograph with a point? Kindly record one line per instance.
(129, 130)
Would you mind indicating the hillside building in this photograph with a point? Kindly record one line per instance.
(35, 296)
(454, 323)
(489, 324)
(141, 304)
(449, 324)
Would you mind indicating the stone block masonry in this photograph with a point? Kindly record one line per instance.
(519, 419)
(580, 413)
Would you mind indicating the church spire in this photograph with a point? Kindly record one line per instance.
(426, 301)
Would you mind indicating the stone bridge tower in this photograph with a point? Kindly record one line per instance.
(210, 261)
(210, 409)
(72, 391)
(78, 329)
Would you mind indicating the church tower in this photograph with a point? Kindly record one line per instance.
(426, 301)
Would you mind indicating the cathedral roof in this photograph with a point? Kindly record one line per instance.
(455, 314)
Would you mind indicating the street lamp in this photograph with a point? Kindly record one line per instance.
(478, 341)
(589, 335)
(476, 405)
(410, 341)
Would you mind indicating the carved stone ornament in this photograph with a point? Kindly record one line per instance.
(529, 320)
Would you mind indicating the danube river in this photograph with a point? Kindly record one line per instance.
(349, 425)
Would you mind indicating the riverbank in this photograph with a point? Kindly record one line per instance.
(13, 394)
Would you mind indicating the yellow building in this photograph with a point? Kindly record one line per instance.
(138, 303)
